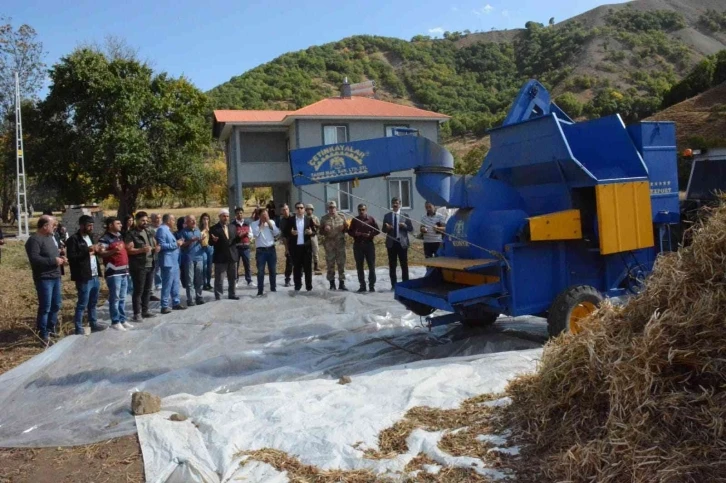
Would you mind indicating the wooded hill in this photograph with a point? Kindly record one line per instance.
(620, 58)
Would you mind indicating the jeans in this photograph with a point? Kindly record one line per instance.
(266, 256)
(365, 251)
(157, 276)
(87, 299)
(117, 298)
(208, 263)
(397, 252)
(49, 302)
(143, 281)
(430, 249)
(244, 258)
(170, 286)
(194, 279)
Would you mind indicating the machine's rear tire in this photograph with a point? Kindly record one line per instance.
(477, 317)
(571, 306)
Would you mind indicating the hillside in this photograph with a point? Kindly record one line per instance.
(700, 121)
(614, 58)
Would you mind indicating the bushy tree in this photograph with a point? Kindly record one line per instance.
(113, 127)
(570, 104)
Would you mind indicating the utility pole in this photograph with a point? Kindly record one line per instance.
(22, 199)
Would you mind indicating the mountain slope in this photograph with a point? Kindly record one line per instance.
(620, 57)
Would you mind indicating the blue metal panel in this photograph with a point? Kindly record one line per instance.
(605, 149)
(656, 142)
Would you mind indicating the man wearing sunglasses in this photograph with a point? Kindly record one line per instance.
(363, 229)
(298, 231)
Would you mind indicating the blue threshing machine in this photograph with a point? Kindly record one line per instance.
(560, 214)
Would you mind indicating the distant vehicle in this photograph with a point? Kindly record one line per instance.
(706, 183)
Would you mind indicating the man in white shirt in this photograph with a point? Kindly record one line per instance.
(298, 231)
(433, 225)
(264, 232)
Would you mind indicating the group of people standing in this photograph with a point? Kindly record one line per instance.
(147, 252)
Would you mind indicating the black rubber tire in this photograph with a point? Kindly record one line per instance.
(478, 317)
(559, 313)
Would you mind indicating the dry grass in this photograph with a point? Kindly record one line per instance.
(641, 395)
(301, 473)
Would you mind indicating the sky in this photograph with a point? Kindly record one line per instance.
(211, 41)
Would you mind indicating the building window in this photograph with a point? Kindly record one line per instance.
(390, 131)
(345, 199)
(401, 189)
(335, 134)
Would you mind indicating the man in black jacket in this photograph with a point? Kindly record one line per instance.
(45, 261)
(299, 230)
(224, 239)
(84, 271)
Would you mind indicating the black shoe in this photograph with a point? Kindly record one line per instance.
(136, 318)
(307, 289)
(154, 298)
(234, 297)
(273, 290)
(190, 303)
(148, 315)
(165, 310)
(341, 286)
(179, 307)
(98, 328)
(362, 289)
(297, 289)
(200, 301)
(287, 283)
(260, 294)
(372, 288)
(332, 285)
(217, 298)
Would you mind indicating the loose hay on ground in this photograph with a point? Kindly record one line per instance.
(641, 395)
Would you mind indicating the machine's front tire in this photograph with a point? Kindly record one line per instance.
(477, 317)
(570, 307)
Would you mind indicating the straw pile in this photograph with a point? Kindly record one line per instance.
(641, 395)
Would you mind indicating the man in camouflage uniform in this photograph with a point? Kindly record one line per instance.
(333, 227)
(314, 239)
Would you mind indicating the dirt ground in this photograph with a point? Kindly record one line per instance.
(117, 460)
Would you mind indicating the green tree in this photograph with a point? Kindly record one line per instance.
(113, 127)
(570, 104)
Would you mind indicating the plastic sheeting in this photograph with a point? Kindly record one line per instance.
(321, 422)
(79, 390)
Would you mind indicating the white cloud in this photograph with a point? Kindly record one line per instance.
(505, 13)
(485, 10)
(436, 31)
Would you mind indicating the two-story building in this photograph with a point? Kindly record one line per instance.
(257, 145)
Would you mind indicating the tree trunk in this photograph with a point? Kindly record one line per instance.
(127, 201)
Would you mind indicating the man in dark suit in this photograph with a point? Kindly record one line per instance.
(225, 257)
(299, 230)
(396, 226)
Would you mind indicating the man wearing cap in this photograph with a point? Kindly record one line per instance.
(333, 227)
(224, 239)
(309, 209)
(85, 271)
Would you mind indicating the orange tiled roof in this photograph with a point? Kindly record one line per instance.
(363, 107)
(250, 116)
(333, 107)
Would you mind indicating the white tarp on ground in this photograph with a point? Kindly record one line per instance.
(79, 390)
(323, 423)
